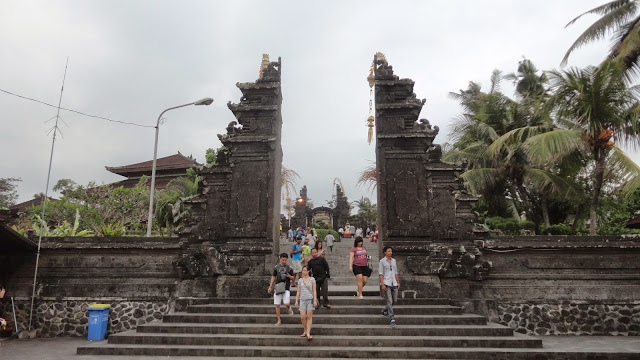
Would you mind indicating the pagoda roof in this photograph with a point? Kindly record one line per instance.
(24, 206)
(177, 161)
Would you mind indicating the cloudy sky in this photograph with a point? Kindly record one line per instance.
(129, 60)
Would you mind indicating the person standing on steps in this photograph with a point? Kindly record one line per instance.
(3, 322)
(389, 282)
(306, 301)
(282, 273)
(320, 247)
(296, 259)
(329, 239)
(320, 270)
(358, 264)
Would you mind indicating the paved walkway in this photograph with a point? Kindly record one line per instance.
(63, 348)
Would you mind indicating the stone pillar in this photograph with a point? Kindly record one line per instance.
(423, 211)
(231, 240)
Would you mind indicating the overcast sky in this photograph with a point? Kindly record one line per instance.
(129, 60)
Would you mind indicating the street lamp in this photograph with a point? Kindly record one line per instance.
(205, 101)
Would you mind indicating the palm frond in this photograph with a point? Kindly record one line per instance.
(368, 177)
(548, 182)
(552, 145)
(479, 179)
(614, 15)
(627, 172)
(514, 137)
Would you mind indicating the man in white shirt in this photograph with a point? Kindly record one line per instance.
(389, 282)
(329, 240)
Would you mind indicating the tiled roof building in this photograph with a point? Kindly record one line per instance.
(167, 169)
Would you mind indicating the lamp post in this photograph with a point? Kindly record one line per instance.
(204, 101)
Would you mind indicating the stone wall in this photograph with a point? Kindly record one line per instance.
(135, 275)
(557, 285)
(571, 318)
(69, 317)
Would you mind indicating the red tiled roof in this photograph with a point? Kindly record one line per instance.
(23, 206)
(177, 161)
(161, 182)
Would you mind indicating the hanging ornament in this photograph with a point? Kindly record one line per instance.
(370, 122)
(371, 119)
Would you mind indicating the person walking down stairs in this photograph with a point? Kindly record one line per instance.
(306, 298)
(320, 270)
(281, 277)
(389, 282)
(358, 264)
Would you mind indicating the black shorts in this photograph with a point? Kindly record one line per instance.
(362, 270)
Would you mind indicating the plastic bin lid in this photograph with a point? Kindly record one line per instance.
(99, 306)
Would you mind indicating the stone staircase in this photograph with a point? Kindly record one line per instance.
(352, 328)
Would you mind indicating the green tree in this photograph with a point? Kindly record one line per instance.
(593, 107)
(8, 193)
(98, 206)
(367, 211)
(620, 18)
(169, 205)
(499, 177)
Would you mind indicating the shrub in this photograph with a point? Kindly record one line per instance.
(322, 233)
(509, 226)
(555, 229)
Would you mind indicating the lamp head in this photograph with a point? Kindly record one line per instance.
(204, 101)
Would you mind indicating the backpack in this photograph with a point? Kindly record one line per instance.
(281, 285)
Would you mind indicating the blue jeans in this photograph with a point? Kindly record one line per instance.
(391, 295)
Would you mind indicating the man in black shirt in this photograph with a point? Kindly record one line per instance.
(320, 271)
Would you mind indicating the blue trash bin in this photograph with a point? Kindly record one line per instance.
(98, 320)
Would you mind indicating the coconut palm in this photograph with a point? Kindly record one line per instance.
(619, 17)
(593, 107)
(500, 178)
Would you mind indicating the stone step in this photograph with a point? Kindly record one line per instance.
(335, 300)
(132, 337)
(321, 318)
(335, 309)
(347, 290)
(327, 329)
(316, 352)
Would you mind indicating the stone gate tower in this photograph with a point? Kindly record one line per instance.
(424, 212)
(231, 240)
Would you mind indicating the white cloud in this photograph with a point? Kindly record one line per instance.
(130, 60)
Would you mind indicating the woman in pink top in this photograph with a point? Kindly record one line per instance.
(358, 264)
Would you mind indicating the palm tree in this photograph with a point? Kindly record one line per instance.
(169, 206)
(501, 176)
(593, 107)
(288, 183)
(619, 17)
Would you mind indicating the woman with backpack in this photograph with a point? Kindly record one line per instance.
(306, 301)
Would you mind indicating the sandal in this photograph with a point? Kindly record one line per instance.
(277, 324)
(290, 311)
(303, 335)
(309, 337)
